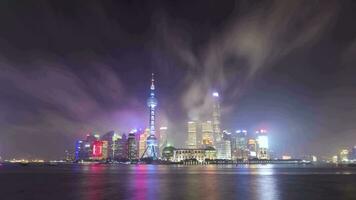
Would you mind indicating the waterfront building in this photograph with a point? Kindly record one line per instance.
(113, 138)
(207, 133)
(217, 134)
(210, 153)
(168, 153)
(252, 148)
(344, 156)
(353, 155)
(105, 150)
(334, 159)
(194, 154)
(122, 151)
(311, 158)
(80, 153)
(223, 149)
(152, 146)
(262, 142)
(239, 147)
(99, 148)
(84, 148)
(192, 135)
(132, 147)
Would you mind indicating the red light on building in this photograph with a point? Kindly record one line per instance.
(97, 148)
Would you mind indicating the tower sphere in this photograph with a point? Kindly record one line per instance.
(152, 102)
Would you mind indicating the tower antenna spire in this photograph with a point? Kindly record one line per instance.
(153, 82)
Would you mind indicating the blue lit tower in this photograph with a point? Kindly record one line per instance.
(152, 146)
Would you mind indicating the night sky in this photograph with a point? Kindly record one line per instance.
(68, 68)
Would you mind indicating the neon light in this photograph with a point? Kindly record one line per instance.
(97, 149)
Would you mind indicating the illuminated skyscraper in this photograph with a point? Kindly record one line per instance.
(142, 146)
(252, 148)
(262, 142)
(216, 117)
(207, 133)
(344, 156)
(152, 148)
(192, 135)
(113, 138)
(80, 153)
(223, 149)
(132, 146)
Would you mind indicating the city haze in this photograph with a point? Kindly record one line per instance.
(68, 69)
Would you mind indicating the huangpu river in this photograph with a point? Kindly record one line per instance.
(136, 182)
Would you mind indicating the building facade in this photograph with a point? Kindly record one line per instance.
(252, 148)
(207, 133)
(198, 154)
(223, 149)
(143, 143)
(262, 143)
(192, 135)
(132, 147)
(216, 117)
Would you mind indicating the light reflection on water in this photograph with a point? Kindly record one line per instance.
(266, 185)
(101, 182)
(142, 184)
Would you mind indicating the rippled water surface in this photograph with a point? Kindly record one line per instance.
(104, 182)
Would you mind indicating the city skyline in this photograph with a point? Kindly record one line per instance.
(288, 70)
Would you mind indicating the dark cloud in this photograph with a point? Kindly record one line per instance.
(71, 68)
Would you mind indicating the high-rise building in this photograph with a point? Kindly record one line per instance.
(162, 138)
(87, 146)
(334, 159)
(80, 153)
(216, 118)
(344, 156)
(262, 143)
(109, 147)
(98, 150)
(252, 148)
(192, 135)
(132, 147)
(239, 148)
(113, 138)
(143, 143)
(207, 133)
(152, 147)
(105, 153)
(223, 149)
(353, 156)
(122, 150)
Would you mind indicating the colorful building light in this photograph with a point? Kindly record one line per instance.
(97, 149)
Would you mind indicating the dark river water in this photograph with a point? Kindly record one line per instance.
(106, 182)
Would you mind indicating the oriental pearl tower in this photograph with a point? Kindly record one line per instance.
(152, 146)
